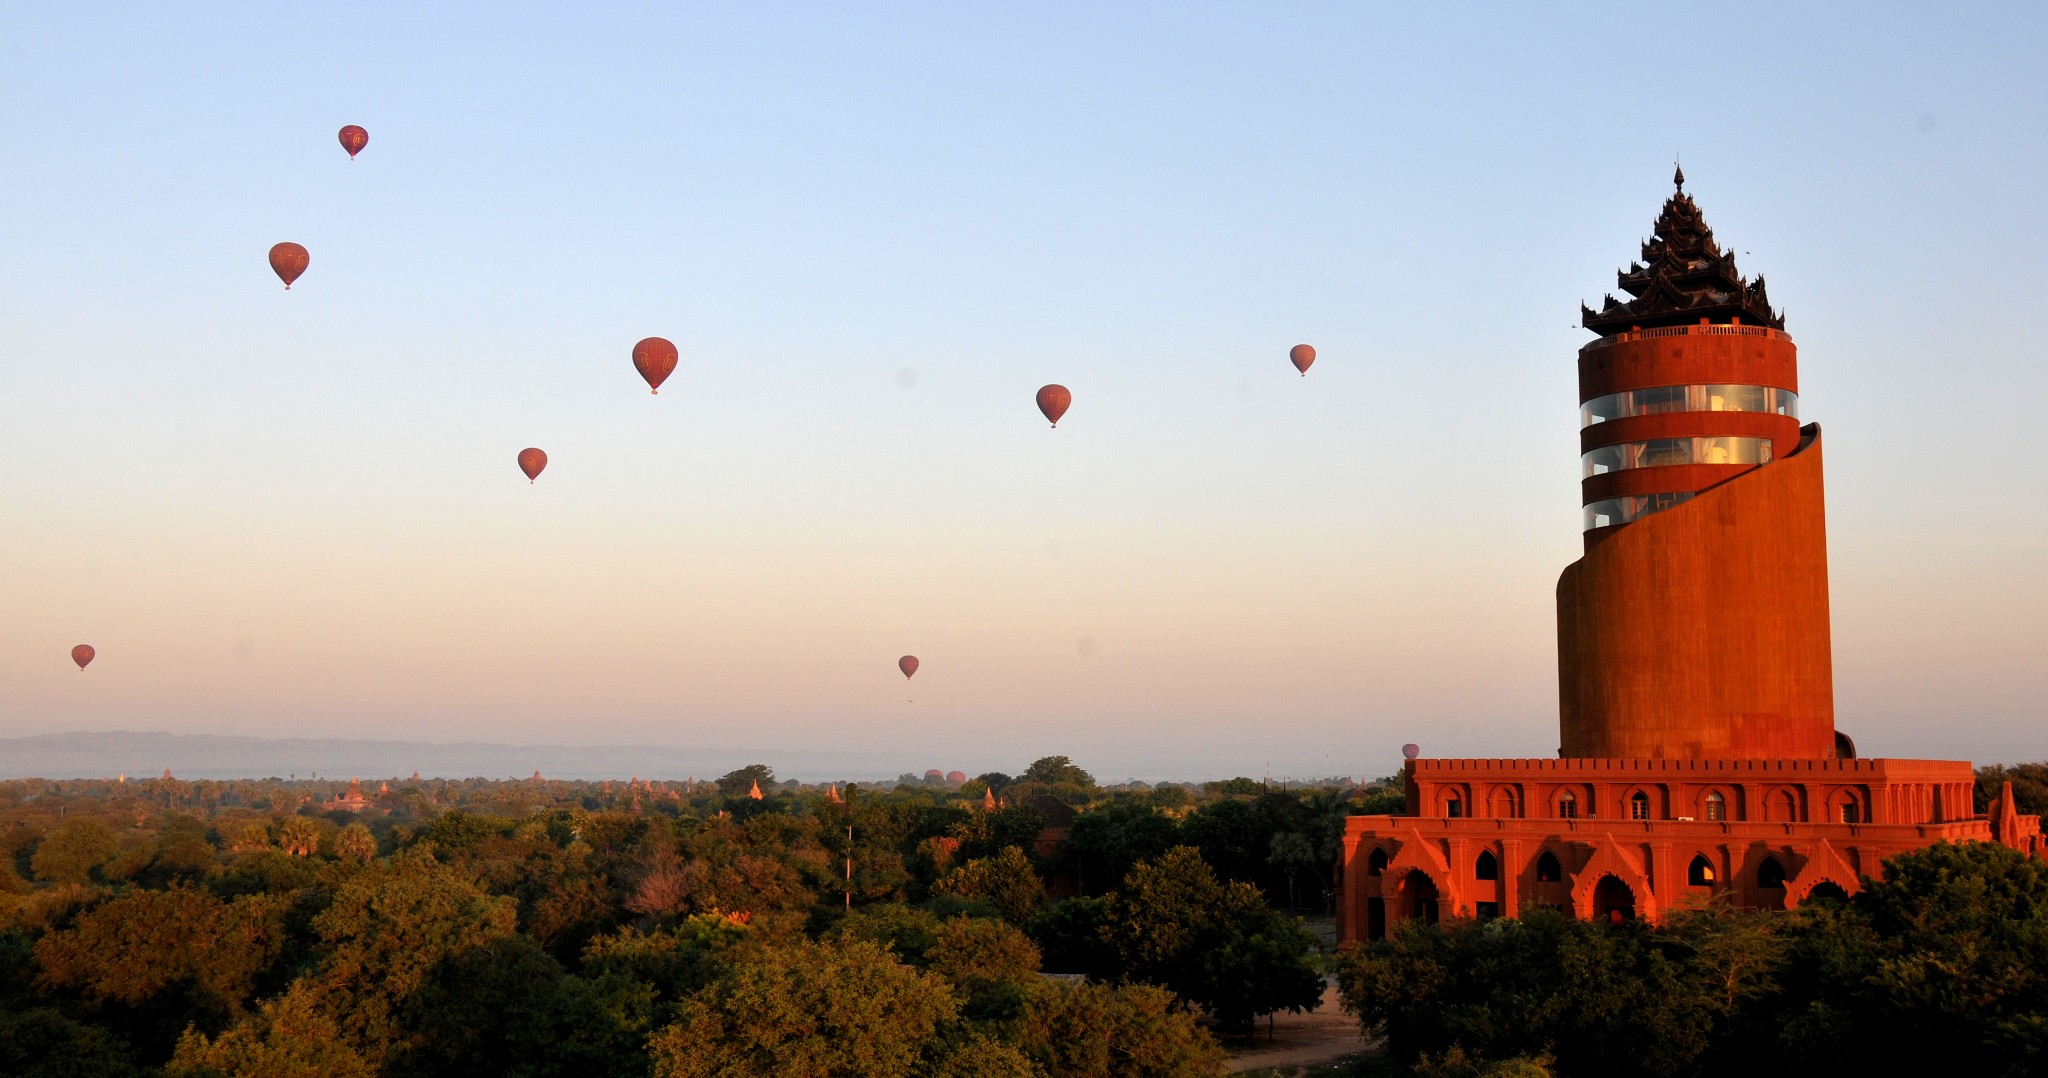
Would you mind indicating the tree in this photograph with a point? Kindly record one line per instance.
(1056, 771)
(389, 926)
(1215, 944)
(989, 963)
(70, 853)
(293, 1036)
(41, 1042)
(1069, 934)
(299, 836)
(507, 1008)
(1006, 881)
(738, 783)
(845, 1009)
(1107, 840)
(355, 844)
(1088, 1030)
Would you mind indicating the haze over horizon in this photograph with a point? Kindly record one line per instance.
(873, 235)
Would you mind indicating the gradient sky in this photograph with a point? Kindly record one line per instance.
(874, 231)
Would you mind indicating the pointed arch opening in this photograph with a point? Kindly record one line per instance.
(1567, 806)
(1716, 805)
(1547, 868)
(1700, 873)
(1487, 867)
(1613, 901)
(1770, 875)
(1639, 806)
(1419, 896)
(1376, 861)
(1826, 891)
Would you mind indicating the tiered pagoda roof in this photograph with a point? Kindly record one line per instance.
(1684, 277)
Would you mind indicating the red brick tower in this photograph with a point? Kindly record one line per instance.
(1696, 626)
(1698, 758)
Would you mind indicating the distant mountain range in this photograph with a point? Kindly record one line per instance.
(212, 756)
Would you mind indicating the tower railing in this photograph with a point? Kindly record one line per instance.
(1686, 331)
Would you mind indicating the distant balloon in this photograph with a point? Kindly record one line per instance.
(531, 461)
(1053, 401)
(1302, 355)
(1411, 750)
(907, 664)
(353, 139)
(288, 260)
(82, 654)
(655, 359)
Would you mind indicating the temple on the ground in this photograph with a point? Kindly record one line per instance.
(1698, 756)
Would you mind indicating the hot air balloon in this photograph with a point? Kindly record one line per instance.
(1053, 401)
(1410, 751)
(531, 461)
(907, 664)
(82, 654)
(288, 260)
(1302, 355)
(655, 359)
(353, 139)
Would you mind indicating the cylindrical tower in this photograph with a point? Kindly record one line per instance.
(1696, 626)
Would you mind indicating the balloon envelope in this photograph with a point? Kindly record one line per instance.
(907, 664)
(82, 654)
(1302, 355)
(531, 461)
(1411, 750)
(655, 359)
(288, 260)
(1053, 401)
(353, 139)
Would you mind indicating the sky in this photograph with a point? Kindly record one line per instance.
(874, 231)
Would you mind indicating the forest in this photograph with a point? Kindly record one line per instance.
(1035, 925)
(737, 926)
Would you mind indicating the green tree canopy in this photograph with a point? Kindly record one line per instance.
(847, 1008)
(1056, 771)
(1215, 944)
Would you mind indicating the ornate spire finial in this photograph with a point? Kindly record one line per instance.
(1677, 174)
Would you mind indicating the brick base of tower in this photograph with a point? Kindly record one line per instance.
(1628, 839)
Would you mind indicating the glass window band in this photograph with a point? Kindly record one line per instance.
(1701, 398)
(1659, 452)
(1611, 511)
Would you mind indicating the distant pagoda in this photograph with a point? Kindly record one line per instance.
(1684, 278)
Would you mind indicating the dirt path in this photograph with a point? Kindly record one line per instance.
(1319, 1036)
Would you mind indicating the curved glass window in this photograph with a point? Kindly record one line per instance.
(1658, 452)
(1610, 511)
(1721, 397)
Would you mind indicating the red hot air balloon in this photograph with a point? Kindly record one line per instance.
(1410, 751)
(531, 461)
(655, 359)
(82, 655)
(1302, 355)
(288, 260)
(1053, 401)
(353, 139)
(907, 664)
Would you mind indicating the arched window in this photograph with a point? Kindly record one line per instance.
(1567, 806)
(1376, 862)
(1770, 874)
(1783, 807)
(1717, 805)
(1700, 873)
(1488, 867)
(1454, 807)
(1851, 811)
(1639, 806)
(1547, 868)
